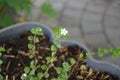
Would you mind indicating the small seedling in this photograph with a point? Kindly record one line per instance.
(113, 52)
(34, 39)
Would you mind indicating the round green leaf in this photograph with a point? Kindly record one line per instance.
(72, 61)
(59, 70)
(40, 75)
(43, 67)
(27, 69)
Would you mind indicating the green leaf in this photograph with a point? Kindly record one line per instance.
(48, 58)
(32, 64)
(30, 38)
(31, 46)
(89, 55)
(32, 72)
(1, 61)
(100, 52)
(37, 31)
(81, 56)
(59, 70)
(43, 67)
(2, 49)
(36, 39)
(57, 43)
(57, 31)
(47, 9)
(66, 66)
(27, 69)
(72, 61)
(46, 75)
(40, 75)
(64, 76)
(53, 48)
(105, 51)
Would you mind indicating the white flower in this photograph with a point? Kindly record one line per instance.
(24, 74)
(64, 32)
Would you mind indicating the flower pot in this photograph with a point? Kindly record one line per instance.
(15, 30)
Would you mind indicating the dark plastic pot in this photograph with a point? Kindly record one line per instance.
(15, 30)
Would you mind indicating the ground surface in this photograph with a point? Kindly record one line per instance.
(95, 23)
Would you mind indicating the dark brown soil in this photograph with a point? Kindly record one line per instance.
(15, 59)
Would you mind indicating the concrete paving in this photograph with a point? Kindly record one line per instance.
(94, 23)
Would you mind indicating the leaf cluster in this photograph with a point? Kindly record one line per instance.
(8, 9)
(47, 9)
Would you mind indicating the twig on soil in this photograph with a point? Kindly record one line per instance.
(48, 49)
(6, 77)
(10, 56)
(23, 53)
(9, 50)
(71, 72)
(8, 65)
(13, 77)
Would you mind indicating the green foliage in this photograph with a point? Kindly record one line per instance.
(6, 21)
(31, 46)
(47, 9)
(48, 59)
(2, 49)
(40, 75)
(72, 61)
(53, 48)
(46, 74)
(60, 32)
(81, 56)
(63, 71)
(37, 31)
(57, 31)
(57, 44)
(34, 39)
(9, 8)
(100, 53)
(89, 55)
(17, 5)
(43, 67)
(27, 70)
(66, 66)
(59, 70)
(30, 38)
(114, 52)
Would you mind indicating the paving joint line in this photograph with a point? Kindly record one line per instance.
(103, 25)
